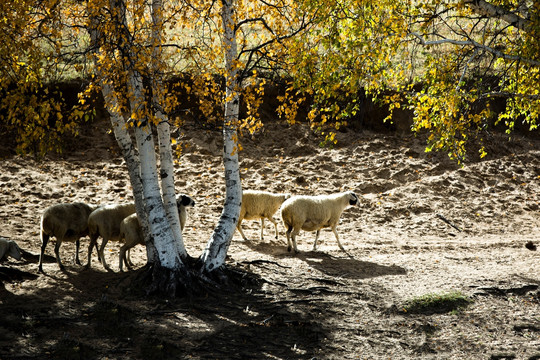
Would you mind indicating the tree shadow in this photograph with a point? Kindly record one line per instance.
(94, 314)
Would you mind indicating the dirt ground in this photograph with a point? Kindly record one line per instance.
(424, 226)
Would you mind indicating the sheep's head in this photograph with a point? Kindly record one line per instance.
(353, 199)
(184, 200)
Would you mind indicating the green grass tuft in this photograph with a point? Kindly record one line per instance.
(437, 303)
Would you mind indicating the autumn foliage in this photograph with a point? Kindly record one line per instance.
(445, 61)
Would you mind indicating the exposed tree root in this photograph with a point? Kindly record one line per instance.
(190, 281)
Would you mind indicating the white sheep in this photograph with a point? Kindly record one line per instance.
(312, 213)
(105, 222)
(9, 248)
(260, 205)
(66, 222)
(131, 231)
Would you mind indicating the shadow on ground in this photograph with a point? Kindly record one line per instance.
(96, 314)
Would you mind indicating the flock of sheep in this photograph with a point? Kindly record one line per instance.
(71, 221)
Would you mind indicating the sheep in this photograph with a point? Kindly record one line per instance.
(105, 222)
(66, 222)
(312, 213)
(9, 248)
(131, 231)
(260, 205)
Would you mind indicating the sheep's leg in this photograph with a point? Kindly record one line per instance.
(44, 242)
(293, 236)
(97, 251)
(57, 253)
(289, 242)
(334, 229)
(291, 239)
(77, 246)
(240, 230)
(101, 253)
(128, 258)
(123, 258)
(262, 228)
(275, 226)
(129, 263)
(93, 242)
(316, 238)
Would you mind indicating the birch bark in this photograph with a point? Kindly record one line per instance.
(164, 134)
(214, 255)
(159, 228)
(120, 130)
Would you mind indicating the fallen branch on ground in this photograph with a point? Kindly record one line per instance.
(448, 222)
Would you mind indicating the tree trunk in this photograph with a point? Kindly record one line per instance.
(215, 253)
(119, 126)
(164, 134)
(159, 227)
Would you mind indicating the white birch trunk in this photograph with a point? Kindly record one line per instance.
(164, 134)
(159, 227)
(167, 184)
(214, 255)
(122, 137)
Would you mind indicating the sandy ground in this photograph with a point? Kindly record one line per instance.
(325, 304)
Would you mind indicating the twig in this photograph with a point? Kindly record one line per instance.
(267, 319)
(261, 261)
(448, 222)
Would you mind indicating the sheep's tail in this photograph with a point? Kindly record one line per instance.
(287, 220)
(289, 229)
(92, 228)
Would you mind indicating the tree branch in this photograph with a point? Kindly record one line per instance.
(477, 45)
(484, 8)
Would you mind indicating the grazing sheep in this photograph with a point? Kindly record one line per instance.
(105, 222)
(9, 248)
(312, 213)
(66, 222)
(260, 205)
(131, 231)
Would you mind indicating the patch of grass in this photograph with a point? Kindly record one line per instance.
(437, 303)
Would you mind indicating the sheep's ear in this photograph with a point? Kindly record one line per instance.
(353, 199)
(186, 200)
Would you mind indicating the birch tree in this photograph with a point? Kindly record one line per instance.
(216, 250)
(433, 57)
(253, 39)
(123, 44)
(32, 112)
(445, 61)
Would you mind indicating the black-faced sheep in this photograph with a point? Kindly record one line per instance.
(260, 205)
(9, 248)
(312, 213)
(66, 222)
(131, 231)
